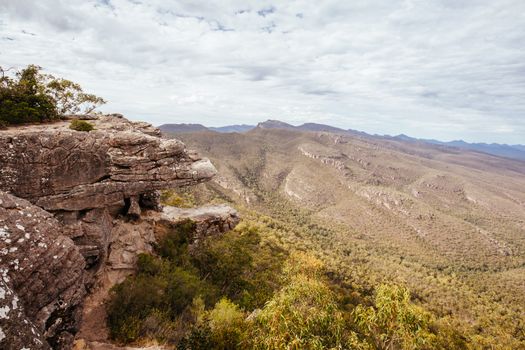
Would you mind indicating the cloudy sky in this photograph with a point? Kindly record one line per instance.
(444, 69)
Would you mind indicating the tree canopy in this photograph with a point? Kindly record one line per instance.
(29, 96)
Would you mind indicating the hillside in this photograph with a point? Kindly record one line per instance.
(446, 222)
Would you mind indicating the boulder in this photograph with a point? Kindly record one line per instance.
(209, 220)
(42, 272)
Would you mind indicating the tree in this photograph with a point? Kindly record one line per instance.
(304, 314)
(22, 99)
(33, 97)
(69, 96)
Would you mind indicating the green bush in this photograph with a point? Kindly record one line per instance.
(173, 245)
(394, 321)
(226, 323)
(81, 125)
(177, 199)
(304, 314)
(245, 270)
(197, 338)
(131, 302)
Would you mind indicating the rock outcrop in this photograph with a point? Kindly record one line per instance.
(209, 220)
(42, 272)
(62, 169)
(75, 210)
(130, 238)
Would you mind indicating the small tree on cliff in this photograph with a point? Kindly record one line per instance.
(22, 99)
(32, 97)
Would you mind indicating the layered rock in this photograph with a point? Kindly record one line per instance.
(87, 179)
(79, 208)
(42, 271)
(209, 220)
(62, 169)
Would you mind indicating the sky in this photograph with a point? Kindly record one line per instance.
(443, 69)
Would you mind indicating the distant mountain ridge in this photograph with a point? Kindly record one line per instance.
(232, 128)
(182, 128)
(185, 128)
(502, 150)
(497, 149)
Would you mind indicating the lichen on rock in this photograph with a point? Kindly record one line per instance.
(75, 210)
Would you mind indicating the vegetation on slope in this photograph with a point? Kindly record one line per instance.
(464, 263)
(406, 240)
(251, 289)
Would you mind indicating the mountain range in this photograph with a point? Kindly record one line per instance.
(503, 150)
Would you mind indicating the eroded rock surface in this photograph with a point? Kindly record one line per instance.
(61, 169)
(42, 272)
(209, 220)
(77, 209)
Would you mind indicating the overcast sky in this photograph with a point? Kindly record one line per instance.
(445, 69)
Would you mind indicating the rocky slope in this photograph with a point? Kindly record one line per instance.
(75, 209)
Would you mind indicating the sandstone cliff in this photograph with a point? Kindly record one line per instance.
(75, 209)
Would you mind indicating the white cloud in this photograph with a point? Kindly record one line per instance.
(441, 69)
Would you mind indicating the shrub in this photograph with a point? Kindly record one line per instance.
(394, 322)
(246, 270)
(22, 100)
(226, 322)
(3, 125)
(303, 315)
(81, 125)
(173, 246)
(176, 199)
(198, 338)
(131, 302)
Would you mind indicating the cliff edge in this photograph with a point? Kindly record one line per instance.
(75, 209)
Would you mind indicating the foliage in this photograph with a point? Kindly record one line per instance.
(198, 301)
(22, 100)
(69, 96)
(226, 323)
(393, 322)
(171, 290)
(279, 286)
(160, 294)
(174, 244)
(33, 97)
(242, 266)
(177, 198)
(81, 125)
(303, 315)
